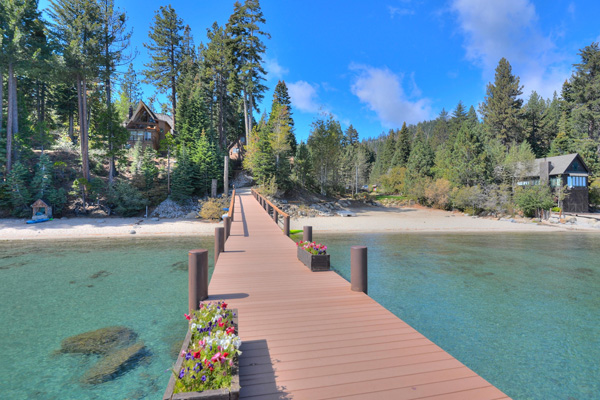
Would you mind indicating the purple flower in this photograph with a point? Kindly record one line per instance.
(182, 373)
(203, 378)
(188, 355)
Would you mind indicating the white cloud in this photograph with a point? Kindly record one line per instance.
(510, 29)
(304, 96)
(274, 69)
(383, 93)
(398, 11)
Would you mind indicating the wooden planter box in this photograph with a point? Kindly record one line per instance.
(314, 262)
(232, 393)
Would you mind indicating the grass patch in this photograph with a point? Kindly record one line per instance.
(390, 197)
(294, 231)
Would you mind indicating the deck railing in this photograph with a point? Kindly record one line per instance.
(272, 209)
(231, 205)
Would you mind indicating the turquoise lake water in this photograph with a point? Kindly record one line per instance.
(522, 310)
(51, 290)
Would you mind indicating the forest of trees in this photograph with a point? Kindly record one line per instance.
(67, 83)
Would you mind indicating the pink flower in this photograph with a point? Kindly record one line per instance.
(216, 357)
(187, 317)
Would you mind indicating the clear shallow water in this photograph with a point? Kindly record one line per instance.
(522, 310)
(50, 290)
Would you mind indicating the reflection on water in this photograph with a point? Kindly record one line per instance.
(55, 289)
(522, 310)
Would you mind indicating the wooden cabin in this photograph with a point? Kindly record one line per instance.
(41, 210)
(568, 170)
(147, 127)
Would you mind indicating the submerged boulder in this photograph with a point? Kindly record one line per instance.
(100, 341)
(115, 364)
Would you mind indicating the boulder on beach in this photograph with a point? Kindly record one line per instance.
(115, 364)
(100, 341)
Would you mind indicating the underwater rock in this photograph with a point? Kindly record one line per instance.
(100, 341)
(115, 364)
(100, 274)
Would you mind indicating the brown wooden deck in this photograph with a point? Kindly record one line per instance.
(306, 335)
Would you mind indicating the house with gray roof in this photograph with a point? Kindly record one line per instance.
(147, 127)
(567, 170)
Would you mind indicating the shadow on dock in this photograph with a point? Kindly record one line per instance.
(257, 376)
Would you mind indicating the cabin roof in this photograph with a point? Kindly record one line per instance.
(558, 165)
(156, 116)
(40, 203)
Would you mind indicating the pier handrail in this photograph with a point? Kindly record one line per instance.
(231, 204)
(276, 211)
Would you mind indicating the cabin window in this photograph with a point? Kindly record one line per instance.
(575, 166)
(530, 182)
(556, 181)
(576, 181)
(147, 135)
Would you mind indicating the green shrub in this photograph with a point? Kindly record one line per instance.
(556, 209)
(533, 199)
(125, 199)
(213, 208)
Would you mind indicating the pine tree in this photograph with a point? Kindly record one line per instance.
(385, 154)
(282, 97)
(421, 157)
(402, 148)
(548, 126)
(584, 93)
(77, 27)
(350, 137)
(459, 116)
(42, 180)
(20, 31)
(303, 165)
(184, 175)
(20, 195)
(130, 93)
(533, 113)
(468, 158)
(324, 144)
(245, 32)
(217, 70)
(165, 49)
(501, 108)
(206, 159)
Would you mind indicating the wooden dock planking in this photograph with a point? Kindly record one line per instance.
(306, 335)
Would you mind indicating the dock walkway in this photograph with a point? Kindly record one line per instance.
(306, 335)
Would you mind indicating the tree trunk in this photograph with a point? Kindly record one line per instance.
(246, 117)
(71, 134)
(15, 117)
(169, 170)
(83, 139)
(9, 122)
(1, 95)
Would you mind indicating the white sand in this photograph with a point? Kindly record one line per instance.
(367, 219)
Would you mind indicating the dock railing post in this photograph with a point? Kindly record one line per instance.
(275, 216)
(358, 269)
(286, 225)
(307, 233)
(197, 277)
(219, 242)
(226, 226)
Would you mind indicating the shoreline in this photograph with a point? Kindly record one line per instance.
(367, 219)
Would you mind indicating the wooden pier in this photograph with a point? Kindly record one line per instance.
(306, 335)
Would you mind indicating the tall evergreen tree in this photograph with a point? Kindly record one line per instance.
(282, 97)
(165, 48)
(469, 163)
(533, 114)
(501, 108)
(383, 159)
(403, 144)
(130, 92)
(324, 144)
(77, 27)
(20, 31)
(584, 93)
(246, 35)
(421, 157)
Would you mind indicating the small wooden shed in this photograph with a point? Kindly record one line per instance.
(41, 210)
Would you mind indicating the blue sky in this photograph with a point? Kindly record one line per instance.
(376, 64)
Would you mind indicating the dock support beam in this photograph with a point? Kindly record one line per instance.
(197, 277)
(307, 233)
(227, 226)
(275, 216)
(358, 269)
(219, 242)
(286, 226)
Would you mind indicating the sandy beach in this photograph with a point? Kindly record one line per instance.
(366, 219)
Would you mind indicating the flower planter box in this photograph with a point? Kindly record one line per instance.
(232, 393)
(312, 261)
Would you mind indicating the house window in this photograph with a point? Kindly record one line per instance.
(136, 135)
(147, 135)
(556, 181)
(576, 181)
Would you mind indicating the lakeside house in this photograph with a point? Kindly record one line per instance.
(147, 127)
(568, 170)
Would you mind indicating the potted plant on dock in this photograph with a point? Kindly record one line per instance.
(207, 367)
(313, 255)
